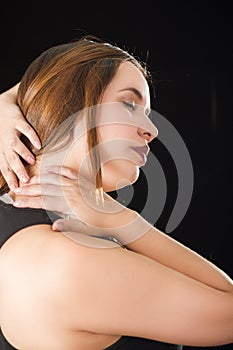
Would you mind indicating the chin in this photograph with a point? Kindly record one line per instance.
(113, 182)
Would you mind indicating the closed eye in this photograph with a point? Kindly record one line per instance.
(130, 105)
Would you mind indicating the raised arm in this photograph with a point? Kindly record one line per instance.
(13, 124)
(127, 225)
(165, 250)
(173, 293)
(137, 296)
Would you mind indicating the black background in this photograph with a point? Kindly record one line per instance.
(188, 48)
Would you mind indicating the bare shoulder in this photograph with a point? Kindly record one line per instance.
(116, 291)
(59, 261)
(111, 290)
(49, 252)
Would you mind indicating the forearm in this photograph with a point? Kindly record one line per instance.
(141, 237)
(136, 234)
(167, 251)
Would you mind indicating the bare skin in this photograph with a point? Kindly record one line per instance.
(11, 165)
(156, 288)
(50, 328)
(174, 302)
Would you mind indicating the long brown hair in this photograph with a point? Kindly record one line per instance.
(63, 80)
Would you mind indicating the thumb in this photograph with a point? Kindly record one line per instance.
(65, 225)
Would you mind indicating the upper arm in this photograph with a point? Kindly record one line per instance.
(116, 291)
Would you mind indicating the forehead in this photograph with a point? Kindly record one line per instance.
(129, 75)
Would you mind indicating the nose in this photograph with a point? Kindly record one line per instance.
(148, 134)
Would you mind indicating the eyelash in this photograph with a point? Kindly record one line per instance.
(130, 105)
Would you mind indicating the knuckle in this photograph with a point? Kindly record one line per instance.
(12, 158)
(26, 127)
(13, 142)
(5, 168)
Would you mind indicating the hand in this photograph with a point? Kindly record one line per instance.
(84, 234)
(61, 190)
(13, 125)
(65, 192)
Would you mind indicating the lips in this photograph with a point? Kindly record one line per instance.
(142, 151)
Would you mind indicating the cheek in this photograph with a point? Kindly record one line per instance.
(115, 143)
(116, 132)
(114, 150)
(116, 146)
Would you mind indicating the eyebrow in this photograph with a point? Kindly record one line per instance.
(135, 91)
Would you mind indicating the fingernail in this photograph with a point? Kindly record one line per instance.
(30, 159)
(24, 178)
(58, 227)
(17, 203)
(18, 190)
(37, 144)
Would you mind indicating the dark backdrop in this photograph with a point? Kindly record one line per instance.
(188, 47)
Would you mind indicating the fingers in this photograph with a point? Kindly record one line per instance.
(50, 178)
(45, 196)
(12, 149)
(50, 204)
(78, 226)
(8, 174)
(13, 167)
(71, 174)
(21, 150)
(63, 171)
(31, 190)
(25, 129)
(29, 202)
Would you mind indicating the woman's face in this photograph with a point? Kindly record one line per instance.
(123, 127)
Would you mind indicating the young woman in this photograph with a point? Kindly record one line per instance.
(88, 102)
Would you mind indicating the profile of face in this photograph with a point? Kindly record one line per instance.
(123, 127)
